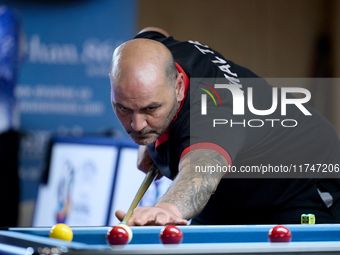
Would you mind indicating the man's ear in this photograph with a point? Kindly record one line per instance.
(180, 88)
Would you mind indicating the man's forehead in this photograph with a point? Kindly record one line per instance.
(135, 87)
(139, 96)
(145, 75)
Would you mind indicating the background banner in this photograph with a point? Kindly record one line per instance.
(63, 85)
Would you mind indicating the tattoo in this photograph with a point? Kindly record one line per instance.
(191, 190)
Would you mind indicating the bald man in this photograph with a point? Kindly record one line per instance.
(150, 92)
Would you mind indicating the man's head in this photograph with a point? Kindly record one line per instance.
(146, 89)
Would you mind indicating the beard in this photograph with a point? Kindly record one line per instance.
(149, 136)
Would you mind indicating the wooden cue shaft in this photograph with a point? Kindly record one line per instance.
(150, 176)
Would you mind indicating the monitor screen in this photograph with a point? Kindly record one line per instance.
(88, 179)
(79, 184)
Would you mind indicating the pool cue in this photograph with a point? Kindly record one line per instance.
(149, 178)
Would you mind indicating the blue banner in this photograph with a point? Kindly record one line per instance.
(63, 86)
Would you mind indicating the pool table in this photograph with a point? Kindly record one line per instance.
(245, 239)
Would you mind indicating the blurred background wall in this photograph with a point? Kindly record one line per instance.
(276, 39)
(272, 38)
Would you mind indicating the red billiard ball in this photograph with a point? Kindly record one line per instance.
(279, 234)
(118, 235)
(171, 234)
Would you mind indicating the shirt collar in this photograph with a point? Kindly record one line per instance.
(164, 137)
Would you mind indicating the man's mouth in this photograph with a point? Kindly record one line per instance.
(141, 134)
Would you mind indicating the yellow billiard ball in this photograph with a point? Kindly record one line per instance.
(61, 231)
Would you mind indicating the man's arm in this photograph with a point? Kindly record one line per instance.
(191, 190)
(187, 195)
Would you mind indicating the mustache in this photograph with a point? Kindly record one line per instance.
(142, 132)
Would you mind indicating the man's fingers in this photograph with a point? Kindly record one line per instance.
(145, 216)
(161, 219)
(181, 222)
(120, 215)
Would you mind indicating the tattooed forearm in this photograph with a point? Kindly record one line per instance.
(191, 190)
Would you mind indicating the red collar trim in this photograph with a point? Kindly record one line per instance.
(164, 137)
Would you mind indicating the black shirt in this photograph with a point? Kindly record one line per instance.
(312, 141)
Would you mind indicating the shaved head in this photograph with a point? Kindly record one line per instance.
(143, 56)
(146, 89)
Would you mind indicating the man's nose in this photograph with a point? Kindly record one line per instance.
(138, 122)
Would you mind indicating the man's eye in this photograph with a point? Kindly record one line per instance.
(123, 109)
(151, 108)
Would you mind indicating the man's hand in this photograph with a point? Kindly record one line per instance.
(187, 195)
(161, 214)
(144, 161)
